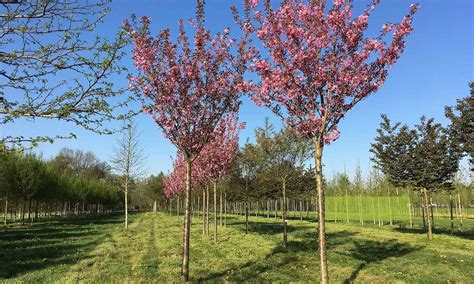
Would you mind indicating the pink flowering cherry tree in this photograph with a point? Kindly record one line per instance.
(318, 65)
(187, 86)
(216, 158)
(212, 164)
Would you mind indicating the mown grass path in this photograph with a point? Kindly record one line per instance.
(91, 250)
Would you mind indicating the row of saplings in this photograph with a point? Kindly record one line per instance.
(32, 188)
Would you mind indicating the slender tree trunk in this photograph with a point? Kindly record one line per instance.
(390, 206)
(177, 207)
(373, 209)
(321, 211)
(423, 214)
(301, 210)
(432, 215)
(6, 211)
(409, 215)
(187, 224)
(199, 206)
(246, 208)
(347, 205)
(126, 203)
(256, 210)
(35, 218)
(225, 208)
(284, 213)
(207, 210)
(460, 211)
(451, 217)
(246, 216)
(203, 211)
(215, 210)
(220, 207)
(427, 214)
(276, 208)
(154, 205)
(29, 211)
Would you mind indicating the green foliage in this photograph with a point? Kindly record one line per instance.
(461, 130)
(27, 177)
(423, 157)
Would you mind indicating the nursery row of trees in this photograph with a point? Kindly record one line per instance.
(72, 182)
(270, 175)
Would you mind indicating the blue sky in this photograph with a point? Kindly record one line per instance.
(433, 72)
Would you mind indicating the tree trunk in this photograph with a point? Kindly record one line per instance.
(423, 214)
(318, 154)
(177, 207)
(203, 211)
(427, 214)
(460, 211)
(451, 217)
(432, 215)
(347, 205)
(284, 213)
(187, 224)
(215, 211)
(256, 209)
(207, 210)
(220, 207)
(390, 207)
(225, 208)
(276, 208)
(199, 206)
(35, 218)
(154, 206)
(301, 210)
(126, 203)
(5, 212)
(29, 211)
(410, 215)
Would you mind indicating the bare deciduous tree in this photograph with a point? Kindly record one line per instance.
(128, 160)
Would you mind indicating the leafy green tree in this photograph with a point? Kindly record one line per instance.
(154, 188)
(59, 70)
(423, 158)
(28, 174)
(249, 162)
(283, 153)
(461, 129)
(391, 149)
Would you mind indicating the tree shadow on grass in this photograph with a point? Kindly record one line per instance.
(370, 252)
(252, 269)
(307, 240)
(28, 248)
(466, 234)
(279, 257)
(265, 228)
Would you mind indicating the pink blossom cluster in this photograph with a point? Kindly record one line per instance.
(174, 182)
(213, 162)
(187, 87)
(319, 64)
(216, 158)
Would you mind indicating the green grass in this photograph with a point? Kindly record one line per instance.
(97, 249)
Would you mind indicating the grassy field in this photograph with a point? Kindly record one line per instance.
(97, 249)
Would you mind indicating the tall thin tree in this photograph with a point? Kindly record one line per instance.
(128, 161)
(317, 65)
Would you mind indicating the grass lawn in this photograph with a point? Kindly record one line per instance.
(97, 249)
